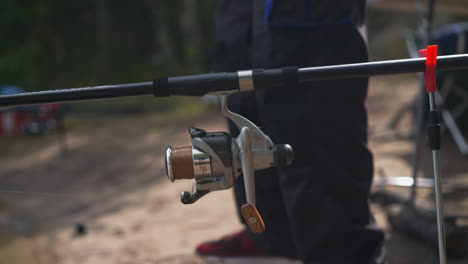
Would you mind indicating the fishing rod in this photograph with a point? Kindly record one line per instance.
(227, 82)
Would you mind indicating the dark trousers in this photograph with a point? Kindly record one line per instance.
(317, 208)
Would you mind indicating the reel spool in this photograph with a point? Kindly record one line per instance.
(209, 161)
(179, 163)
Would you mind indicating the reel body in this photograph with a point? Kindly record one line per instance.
(216, 159)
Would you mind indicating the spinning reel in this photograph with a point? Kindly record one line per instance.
(215, 160)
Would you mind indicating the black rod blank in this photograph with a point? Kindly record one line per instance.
(77, 94)
(357, 70)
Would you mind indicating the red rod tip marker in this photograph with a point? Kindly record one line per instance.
(431, 63)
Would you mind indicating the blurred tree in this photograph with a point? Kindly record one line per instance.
(164, 40)
(54, 44)
(102, 31)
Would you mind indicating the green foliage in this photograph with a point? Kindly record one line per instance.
(60, 44)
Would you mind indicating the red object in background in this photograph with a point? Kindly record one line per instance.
(431, 64)
(29, 120)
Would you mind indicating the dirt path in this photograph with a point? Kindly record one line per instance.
(112, 181)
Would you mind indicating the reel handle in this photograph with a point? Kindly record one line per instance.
(249, 211)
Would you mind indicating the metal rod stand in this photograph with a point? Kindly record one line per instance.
(435, 125)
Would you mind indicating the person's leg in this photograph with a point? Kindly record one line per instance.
(325, 190)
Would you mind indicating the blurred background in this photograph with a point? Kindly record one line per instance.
(85, 182)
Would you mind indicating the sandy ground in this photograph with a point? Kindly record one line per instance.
(112, 181)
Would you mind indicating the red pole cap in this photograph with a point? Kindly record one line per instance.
(431, 63)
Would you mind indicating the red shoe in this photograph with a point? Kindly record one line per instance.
(235, 245)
